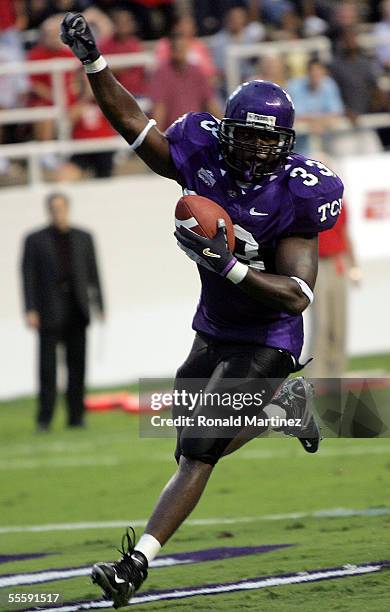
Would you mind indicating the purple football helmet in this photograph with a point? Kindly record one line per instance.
(256, 134)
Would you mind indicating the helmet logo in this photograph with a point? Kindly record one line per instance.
(269, 120)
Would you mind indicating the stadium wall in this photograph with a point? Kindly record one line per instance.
(151, 288)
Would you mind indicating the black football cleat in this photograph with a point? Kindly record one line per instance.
(121, 579)
(295, 397)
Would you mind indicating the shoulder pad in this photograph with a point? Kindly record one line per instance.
(199, 128)
(316, 194)
(308, 178)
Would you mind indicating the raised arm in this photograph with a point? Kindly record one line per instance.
(118, 105)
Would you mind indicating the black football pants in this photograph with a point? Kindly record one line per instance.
(210, 363)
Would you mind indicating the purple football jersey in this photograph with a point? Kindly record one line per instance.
(304, 197)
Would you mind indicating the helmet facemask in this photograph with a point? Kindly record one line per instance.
(254, 150)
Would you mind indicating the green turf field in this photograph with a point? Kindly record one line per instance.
(107, 473)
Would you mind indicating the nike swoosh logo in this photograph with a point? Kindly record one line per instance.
(118, 580)
(208, 253)
(253, 211)
(307, 443)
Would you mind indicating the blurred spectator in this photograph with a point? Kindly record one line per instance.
(124, 40)
(317, 101)
(209, 16)
(63, 6)
(271, 11)
(155, 17)
(39, 10)
(345, 15)
(336, 265)
(100, 23)
(60, 283)
(290, 27)
(273, 68)
(355, 75)
(236, 31)
(374, 11)
(88, 122)
(12, 19)
(49, 47)
(315, 16)
(382, 30)
(322, 8)
(198, 52)
(13, 87)
(178, 87)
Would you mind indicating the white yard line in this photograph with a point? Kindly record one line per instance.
(47, 446)
(323, 513)
(76, 572)
(253, 584)
(249, 454)
(46, 576)
(63, 462)
(324, 452)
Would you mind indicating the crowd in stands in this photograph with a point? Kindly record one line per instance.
(189, 40)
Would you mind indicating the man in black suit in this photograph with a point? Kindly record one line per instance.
(60, 280)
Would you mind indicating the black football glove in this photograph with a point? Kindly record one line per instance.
(76, 33)
(211, 253)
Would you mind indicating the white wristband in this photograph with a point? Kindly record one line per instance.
(141, 137)
(96, 66)
(304, 288)
(237, 273)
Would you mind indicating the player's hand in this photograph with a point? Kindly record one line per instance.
(76, 33)
(211, 253)
(32, 319)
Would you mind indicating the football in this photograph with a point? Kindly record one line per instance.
(200, 215)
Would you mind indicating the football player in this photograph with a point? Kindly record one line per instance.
(249, 318)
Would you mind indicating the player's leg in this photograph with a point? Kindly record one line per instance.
(198, 449)
(120, 580)
(198, 455)
(260, 369)
(184, 489)
(179, 497)
(292, 401)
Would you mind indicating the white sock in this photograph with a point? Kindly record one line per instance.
(149, 546)
(273, 410)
